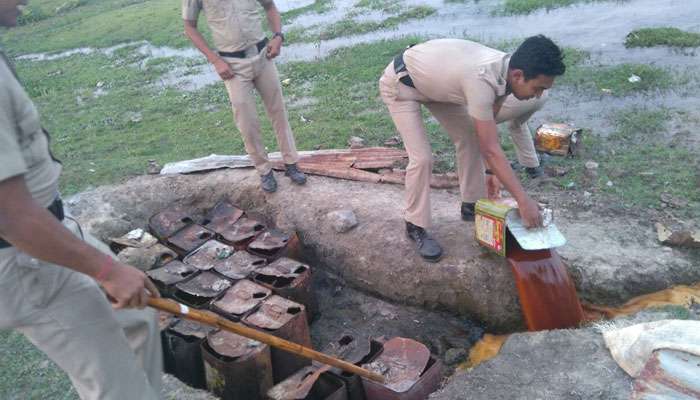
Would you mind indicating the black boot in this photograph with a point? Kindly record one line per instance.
(535, 172)
(428, 248)
(268, 182)
(467, 211)
(294, 174)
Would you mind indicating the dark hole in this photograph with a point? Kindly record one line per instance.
(347, 374)
(206, 221)
(275, 281)
(204, 235)
(258, 295)
(258, 227)
(259, 262)
(300, 269)
(186, 273)
(345, 340)
(186, 220)
(164, 258)
(293, 310)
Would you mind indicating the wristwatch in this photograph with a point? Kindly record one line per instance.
(276, 34)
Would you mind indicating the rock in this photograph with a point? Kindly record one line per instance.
(356, 142)
(393, 141)
(591, 165)
(342, 220)
(455, 356)
(153, 167)
(673, 201)
(556, 171)
(681, 238)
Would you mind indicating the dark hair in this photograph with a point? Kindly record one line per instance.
(538, 55)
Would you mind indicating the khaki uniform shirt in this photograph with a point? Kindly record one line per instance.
(235, 24)
(24, 148)
(461, 72)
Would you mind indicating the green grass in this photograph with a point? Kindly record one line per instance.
(27, 374)
(673, 37)
(318, 6)
(615, 79)
(528, 6)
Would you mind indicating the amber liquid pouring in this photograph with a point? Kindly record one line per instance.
(547, 293)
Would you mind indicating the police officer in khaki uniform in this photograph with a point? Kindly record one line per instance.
(468, 88)
(244, 62)
(50, 269)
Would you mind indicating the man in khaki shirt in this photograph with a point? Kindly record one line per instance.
(50, 269)
(468, 88)
(244, 61)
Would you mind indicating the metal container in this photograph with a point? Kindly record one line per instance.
(242, 297)
(147, 258)
(324, 387)
(411, 372)
(201, 289)
(270, 244)
(355, 349)
(291, 279)
(189, 238)
(222, 216)
(183, 340)
(210, 255)
(494, 219)
(558, 139)
(165, 321)
(241, 233)
(240, 265)
(236, 368)
(287, 320)
(167, 222)
(167, 276)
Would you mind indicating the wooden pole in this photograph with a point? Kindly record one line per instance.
(209, 318)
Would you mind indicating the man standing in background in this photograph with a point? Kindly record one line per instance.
(244, 61)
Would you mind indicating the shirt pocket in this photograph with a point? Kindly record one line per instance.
(217, 9)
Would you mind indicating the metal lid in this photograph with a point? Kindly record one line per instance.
(210, 255)
(190, 238)
(186, 327)
(274, 313)
(231, 345)
(269, 241)
(173, 272)
(243, 229)
(165, 223)
(402, 362)
(546, 237)
(284, 267)
(242, 297)
(350, 347)
(206, 284)
(240, 265)
(223, 215)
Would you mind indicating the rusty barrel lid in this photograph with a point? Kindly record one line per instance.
(401, 362)
(229, 344)
(223, 215)
(190, 238)
(270, 241)
(173, 272)
(284, 268)
(240, 265)
(189, 328)
(243, 229)
(242, 297)
(168, 221)
(206, 284)
(351, 347)
(209, 255)
(274, 313)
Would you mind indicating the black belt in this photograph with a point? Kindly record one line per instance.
(56, 208)
(400, 66)
(241, 53)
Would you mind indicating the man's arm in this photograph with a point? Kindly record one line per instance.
(221, 66)
(274, 21)
(35, 231)
(493, 155)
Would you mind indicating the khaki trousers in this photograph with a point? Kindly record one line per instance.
(107, 354)
(404, 104)
(258, 73)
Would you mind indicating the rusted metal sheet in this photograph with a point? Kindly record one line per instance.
(291, 279)
(183, 340)
(241, 298)
(210, 255)
(189, 238)
(240, 265)
(669, 374)
(167, 222)
(135, 238)
(223, 215)
(309, 383)
(173, 272)
(242, 232)
(410, 371)
(287, 320)
(269, 244)
(198, 291)
(357, 349)
(147, 258)
(236, 367)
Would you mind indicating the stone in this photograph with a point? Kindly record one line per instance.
(591, 165)
(356, 142)
(455, 356)
(342, 220)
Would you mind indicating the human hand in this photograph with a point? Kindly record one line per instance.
(126, 286)
(530, 213)
(274, 47)
(493, 187)
(223, 69)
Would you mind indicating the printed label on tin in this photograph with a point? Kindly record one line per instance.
(489, 231)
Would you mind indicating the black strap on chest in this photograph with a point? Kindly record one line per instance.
(11, 66)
